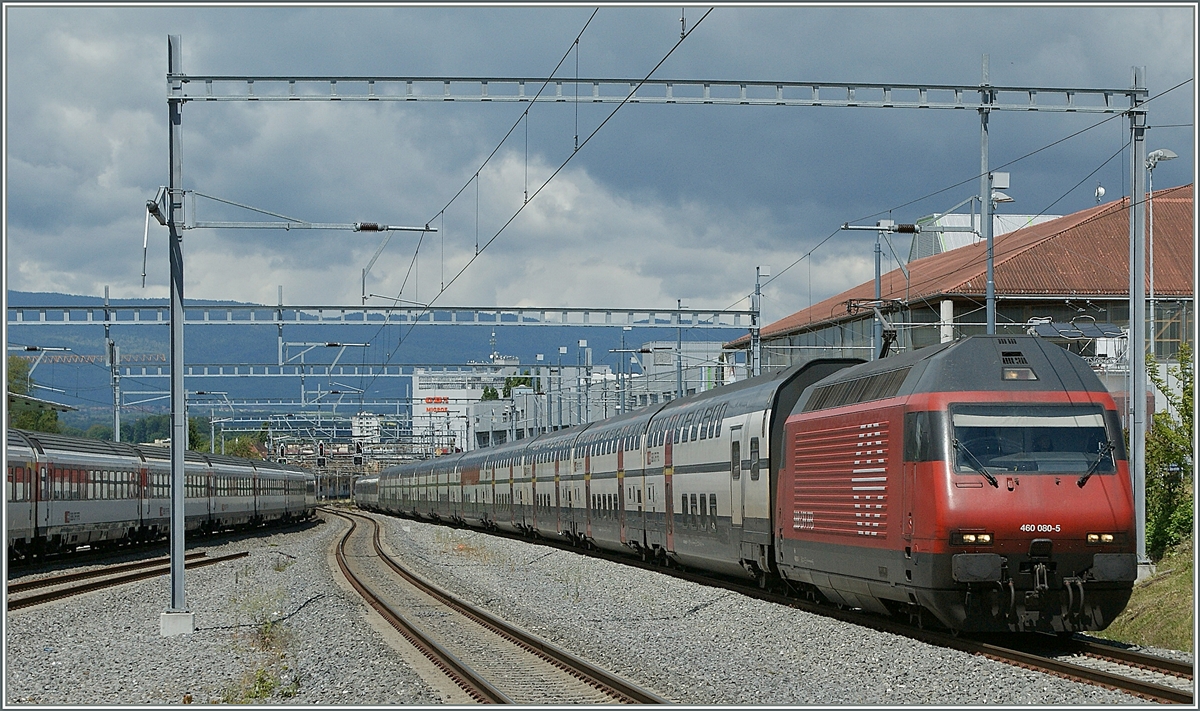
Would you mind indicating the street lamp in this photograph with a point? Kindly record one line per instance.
(1152, 161)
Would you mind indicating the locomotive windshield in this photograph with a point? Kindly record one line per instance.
(1023, 438)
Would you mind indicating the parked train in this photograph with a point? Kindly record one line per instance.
(64, 492)
(979, 485)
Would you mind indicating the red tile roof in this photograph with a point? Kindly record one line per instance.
(1084, 254)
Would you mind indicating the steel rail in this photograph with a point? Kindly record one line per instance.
(113, 582)
(46, 582)
(1138, 659)
(462, 675)
(1068, 670)
(595, 676)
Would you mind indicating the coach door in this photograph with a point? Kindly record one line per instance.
(587, 489)
(735, 474)
(558, 502)
(144, 504)
(668, 489)
(621, 486)
(43, 501)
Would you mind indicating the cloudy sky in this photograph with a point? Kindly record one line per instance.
(664, 203)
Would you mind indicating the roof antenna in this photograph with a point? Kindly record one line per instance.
(1099, 192)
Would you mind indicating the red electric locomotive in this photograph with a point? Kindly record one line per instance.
(983, 482)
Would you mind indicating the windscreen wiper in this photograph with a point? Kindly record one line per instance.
(1104, 450)
(976, 465)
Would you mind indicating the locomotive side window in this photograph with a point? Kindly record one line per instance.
(1022, 438)
(924, 436)
(754, 458)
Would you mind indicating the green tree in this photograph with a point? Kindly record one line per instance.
(514, 381)
(18, 375)
(489, 393)
(198, 434)
(99, 431)
(1169, 465)
(27, 418)
(244, 446)
(155, 427)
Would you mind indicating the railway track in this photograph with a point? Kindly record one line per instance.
(69, 584)
(491, 660)
(1147, 676)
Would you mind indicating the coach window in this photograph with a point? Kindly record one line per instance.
(695, 513)
(703, 511)
(712, 511)
(754, 458)
(735, 458)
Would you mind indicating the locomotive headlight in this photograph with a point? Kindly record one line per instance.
(1100, 538)
(959, 538)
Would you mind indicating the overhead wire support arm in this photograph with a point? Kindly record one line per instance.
(289, 223)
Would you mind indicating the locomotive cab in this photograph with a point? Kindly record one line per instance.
(983, 483)
(1036, 521)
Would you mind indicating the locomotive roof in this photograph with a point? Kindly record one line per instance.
(974, 363)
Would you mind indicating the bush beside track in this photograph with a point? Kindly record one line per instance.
(1161, 612)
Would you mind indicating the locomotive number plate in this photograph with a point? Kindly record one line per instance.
(1041, 527)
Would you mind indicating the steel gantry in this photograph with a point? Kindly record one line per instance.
(256, 315)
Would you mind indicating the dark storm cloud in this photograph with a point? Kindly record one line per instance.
(666, 202)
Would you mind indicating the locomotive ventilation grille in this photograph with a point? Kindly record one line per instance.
(848, 392)
(841, 482)
(1013, 358)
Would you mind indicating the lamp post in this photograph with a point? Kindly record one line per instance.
(1151, 161)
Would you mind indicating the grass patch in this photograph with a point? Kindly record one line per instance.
(273, 671)
(1162, 609)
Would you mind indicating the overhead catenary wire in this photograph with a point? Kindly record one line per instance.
(480, 249)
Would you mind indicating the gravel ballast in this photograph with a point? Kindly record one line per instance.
(104, 647)
(689, 643)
